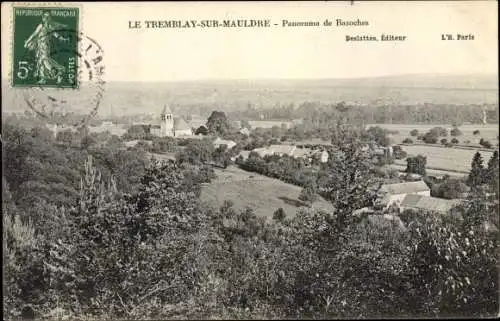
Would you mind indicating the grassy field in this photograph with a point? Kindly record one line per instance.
(488, 132)
(265, 195)
(452, 159)
(436, 172)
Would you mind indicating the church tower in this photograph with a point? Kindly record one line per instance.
(167, 122)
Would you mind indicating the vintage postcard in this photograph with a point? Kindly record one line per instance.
(250, 160)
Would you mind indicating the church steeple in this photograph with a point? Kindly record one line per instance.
(167, 122)
(166, 113)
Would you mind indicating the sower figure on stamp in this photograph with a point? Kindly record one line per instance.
(39, 41)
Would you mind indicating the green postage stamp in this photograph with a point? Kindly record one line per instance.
(45, 47)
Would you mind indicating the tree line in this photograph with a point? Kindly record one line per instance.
(318, 114)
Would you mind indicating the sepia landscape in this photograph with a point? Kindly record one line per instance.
(250, 160)
(356, 198)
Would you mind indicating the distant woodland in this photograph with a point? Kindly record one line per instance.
(316, 114)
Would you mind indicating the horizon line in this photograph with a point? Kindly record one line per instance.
(299, 79)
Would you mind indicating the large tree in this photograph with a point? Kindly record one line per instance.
(477, 173)
(218, 123)
(197, 152)
(350, 182)
(136, 132)
(451, 188)
(493, 173)
(416, 164)
(379, 135)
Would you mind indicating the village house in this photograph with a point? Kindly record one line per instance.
(244, 155)
(219, 142)
(280, 150)
(293, 151)
(393, 194)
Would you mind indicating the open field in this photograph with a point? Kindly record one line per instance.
(442, 158)
(488, 132)
(265, 195)
(436, 172)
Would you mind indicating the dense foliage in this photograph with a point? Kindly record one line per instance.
(481, 177)
(416, 164)
(317, 113)
(218, 123)
(455, 131)
(450, 188)
(38, 168)
(486, 144)
(131, 239)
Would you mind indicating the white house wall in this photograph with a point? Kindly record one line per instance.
(395, 199)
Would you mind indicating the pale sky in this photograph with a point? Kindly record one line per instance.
(293, 52)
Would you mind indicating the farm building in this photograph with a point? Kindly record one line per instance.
(427, 203)
(393, 194)
(219, 142)
(244, 154)
(293, 151)
(276, 149)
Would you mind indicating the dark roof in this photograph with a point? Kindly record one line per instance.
(411, 200)
(429, 203)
